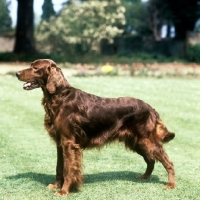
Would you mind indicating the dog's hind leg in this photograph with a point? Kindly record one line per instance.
(161, 156)
(149, 169)
(72, 172)
(141, 149)
(152, 152)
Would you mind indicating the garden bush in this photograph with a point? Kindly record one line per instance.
(193, 53)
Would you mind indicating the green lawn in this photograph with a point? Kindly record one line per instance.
(28, 156)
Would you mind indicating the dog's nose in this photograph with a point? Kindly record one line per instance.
(18, 74)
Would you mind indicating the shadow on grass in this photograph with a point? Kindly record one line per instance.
(118, 175)
(45, 179)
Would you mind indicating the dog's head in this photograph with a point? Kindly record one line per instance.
(42, 73)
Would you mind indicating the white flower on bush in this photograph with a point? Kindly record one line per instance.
(83, 23)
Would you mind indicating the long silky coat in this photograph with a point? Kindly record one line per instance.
(76, 120)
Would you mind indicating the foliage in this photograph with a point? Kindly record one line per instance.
(13, 57)
(184, 15)
(69, 2)
(147, 19)
(157, 10)
(80, 26)
(5, 19)
(136, 18)
(48, 10)
(122, 58)
(193, 53)
(28, 156)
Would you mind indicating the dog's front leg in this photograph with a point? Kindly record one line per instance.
(72, 172)
(59, 169)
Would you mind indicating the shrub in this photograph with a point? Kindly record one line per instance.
(193, 53)
(80, 27)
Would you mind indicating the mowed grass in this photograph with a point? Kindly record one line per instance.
(28, 156)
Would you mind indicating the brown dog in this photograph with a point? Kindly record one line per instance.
(76, 120)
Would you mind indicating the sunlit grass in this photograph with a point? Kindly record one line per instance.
(28, 156)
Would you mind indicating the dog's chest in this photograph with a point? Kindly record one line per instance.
(52, 108)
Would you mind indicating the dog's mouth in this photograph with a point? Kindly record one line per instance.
(30, 85)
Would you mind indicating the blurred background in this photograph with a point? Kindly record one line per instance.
(110, 32)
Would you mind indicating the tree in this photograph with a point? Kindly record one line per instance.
(136, 18)
(185, 14)
(70, 2)
(25, 28)
(80, 27)
(148, 18)
(48, 10)
(182, 14)
(5, 19)
(158, 15)
(145, 19)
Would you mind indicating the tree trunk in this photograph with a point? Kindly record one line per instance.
(156, 28)
(185, 13)
(182, 27)
(25, 28)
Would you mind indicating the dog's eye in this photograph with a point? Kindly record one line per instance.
(35, 68)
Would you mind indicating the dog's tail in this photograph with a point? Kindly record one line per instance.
(168, 137)
(162, 132)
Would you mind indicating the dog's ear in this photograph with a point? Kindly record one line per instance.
(55, 78)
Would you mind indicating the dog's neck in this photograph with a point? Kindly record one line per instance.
(65, 84)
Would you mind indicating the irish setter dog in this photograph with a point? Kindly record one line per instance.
(76, 120)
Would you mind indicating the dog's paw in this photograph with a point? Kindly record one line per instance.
(143, 176)
(52, 186)
(170, 186)
(61, 193)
